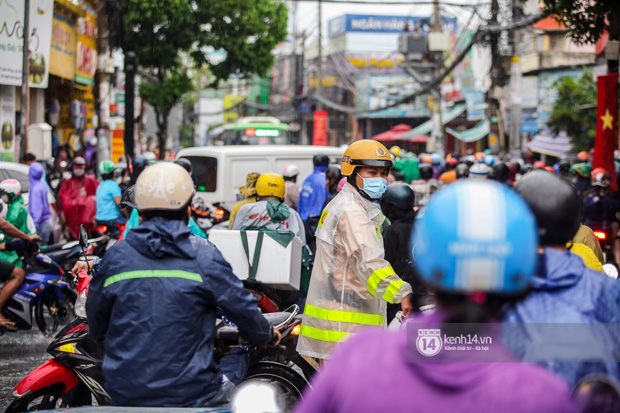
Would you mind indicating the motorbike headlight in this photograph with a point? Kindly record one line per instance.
(80, 305)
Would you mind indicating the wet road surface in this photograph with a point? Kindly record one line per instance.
(20, 353)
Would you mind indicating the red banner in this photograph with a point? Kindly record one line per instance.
(319, 136)
(606, 127)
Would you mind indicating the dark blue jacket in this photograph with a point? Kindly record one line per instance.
(313, 194)
(154, 300)
(564, 291)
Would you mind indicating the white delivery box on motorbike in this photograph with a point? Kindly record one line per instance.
(277, 266)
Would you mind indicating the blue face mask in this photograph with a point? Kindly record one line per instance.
(374, 187)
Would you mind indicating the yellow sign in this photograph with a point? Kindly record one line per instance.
(373, 62)
(328, 81)
(230, 102)
(62, 53)
(118, 144)
(86, 61)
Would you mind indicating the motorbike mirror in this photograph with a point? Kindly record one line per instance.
(63, 164)
(611, 271)
(83, 237)
(257, 396)
(598, 393)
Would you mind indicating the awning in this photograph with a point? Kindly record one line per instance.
(478, 132)
(549, 144)
(391, 134)
(427, 127)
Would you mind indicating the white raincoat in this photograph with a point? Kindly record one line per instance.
(351, 281)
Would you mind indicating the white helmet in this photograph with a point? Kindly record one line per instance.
(11, 186)
(290, 171)
(479, 171)
(163, 186)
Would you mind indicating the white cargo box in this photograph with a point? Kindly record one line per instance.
(277, 266)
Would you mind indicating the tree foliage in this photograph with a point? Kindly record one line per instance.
(566, 115)
(585, 19)
(172, 37)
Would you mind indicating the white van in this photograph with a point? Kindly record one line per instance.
(221, 170)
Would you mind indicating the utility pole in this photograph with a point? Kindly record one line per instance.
(131, 66)
(319, 80)
(515, 85)
(25, 100)
(493, 101)
(438, 134)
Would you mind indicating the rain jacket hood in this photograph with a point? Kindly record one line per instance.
(159, 237)
(154, 300)
(351, 281)
(38, 205)
(565, 291)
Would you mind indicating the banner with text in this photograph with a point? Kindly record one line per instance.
(319, 137)
(62, 54)
(7, 120)
(86, 50)
(12, 38)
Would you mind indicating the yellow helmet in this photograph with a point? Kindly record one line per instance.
(163, 186)
(395, 150)
(365, 153)
(270, 185)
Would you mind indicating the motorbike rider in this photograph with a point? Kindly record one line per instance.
(397, 205)
(38, 204)
(312, 196)
(333, 176)
(425, 186)
(269, 210)
(164, 282)
(249, 192)
(563, 290)
(77, 197)
(291, 189)
(581, 173)
(450, 175)
(379, 371)
(108, 197)
(17, 215)
(351, 281)
(598, 208)
(500, 173)
(137, 166)
(462, 171)
(11, 275)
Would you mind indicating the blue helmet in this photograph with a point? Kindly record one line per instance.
(436, 159)
(476, 236)
(489, 160)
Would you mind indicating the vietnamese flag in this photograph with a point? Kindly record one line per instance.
(606, 127)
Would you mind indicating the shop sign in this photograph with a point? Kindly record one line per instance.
(62, 55)
(118, 144)
(11, 42)
(86, 61)
(7, 123)
(231, 116)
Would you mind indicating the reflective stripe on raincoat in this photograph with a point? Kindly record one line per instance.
(351, 281)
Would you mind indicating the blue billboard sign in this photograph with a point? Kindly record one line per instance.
(385, 24)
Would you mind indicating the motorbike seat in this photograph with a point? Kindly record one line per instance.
(277, 318)
(227, 333)
(58, 247)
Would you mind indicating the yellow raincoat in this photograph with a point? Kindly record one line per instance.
(351, 281)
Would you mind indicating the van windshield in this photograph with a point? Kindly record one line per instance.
(204, 172)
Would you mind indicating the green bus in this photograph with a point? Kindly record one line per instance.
(257, 130)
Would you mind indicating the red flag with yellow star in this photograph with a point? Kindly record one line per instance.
(606, 127)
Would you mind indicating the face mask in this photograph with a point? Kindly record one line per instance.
(5, 198)
(374, 187)
(78, 171)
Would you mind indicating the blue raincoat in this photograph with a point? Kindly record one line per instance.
(313, 194)
(38, 205)
(154, 300)
(564, 290)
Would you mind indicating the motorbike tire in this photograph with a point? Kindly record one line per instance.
(65, 305)
(45, 399)
(288, 381)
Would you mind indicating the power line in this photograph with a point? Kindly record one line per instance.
(481, 34)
